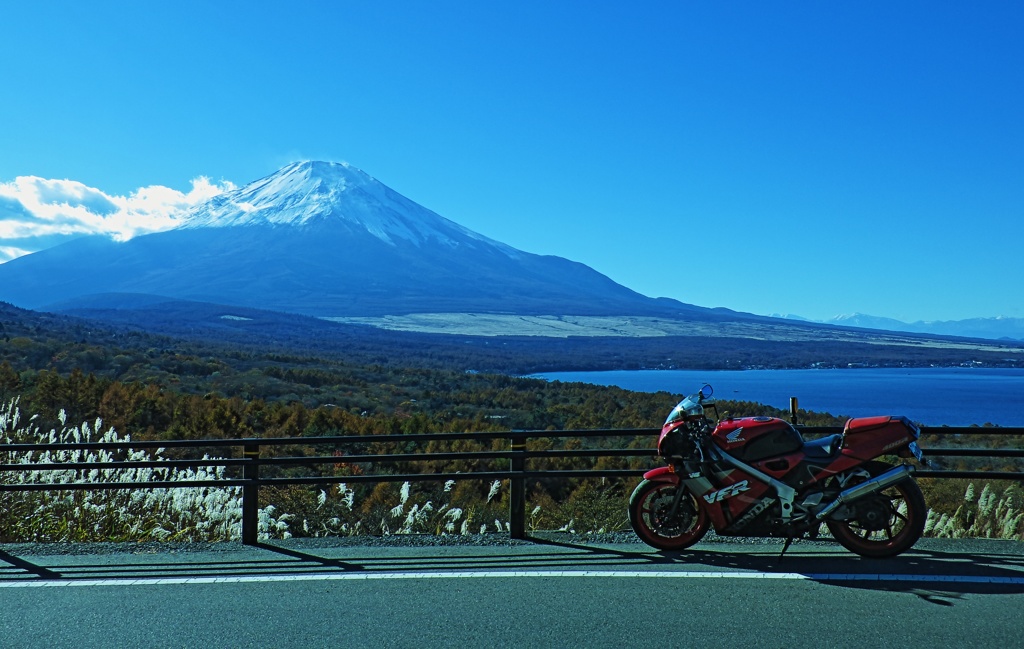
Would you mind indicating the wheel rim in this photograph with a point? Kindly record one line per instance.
(652, 515)
(884, 522)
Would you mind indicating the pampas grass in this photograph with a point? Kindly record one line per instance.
(185, 513)
(992, 515)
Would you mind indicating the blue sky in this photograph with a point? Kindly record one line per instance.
(805, 158)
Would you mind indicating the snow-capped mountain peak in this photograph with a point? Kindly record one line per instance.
(321, 239)
(311, 193)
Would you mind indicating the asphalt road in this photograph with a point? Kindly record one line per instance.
(540, 594)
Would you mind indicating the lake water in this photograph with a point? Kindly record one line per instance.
(932, 396)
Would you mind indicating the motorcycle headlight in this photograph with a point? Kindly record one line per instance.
(677, 444)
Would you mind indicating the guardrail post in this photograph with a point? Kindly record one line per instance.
(250, 495)
(792, 411)
(517, 500)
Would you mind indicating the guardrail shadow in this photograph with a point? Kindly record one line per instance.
(25, 568)
(128, 567)
(936, 576)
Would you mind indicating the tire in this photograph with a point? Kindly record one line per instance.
(885, 523)
(648, 511)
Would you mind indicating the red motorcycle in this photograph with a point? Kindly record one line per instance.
(756, 476)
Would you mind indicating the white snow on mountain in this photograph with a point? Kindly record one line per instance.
(788, 316)
(864, 320)
(309, 192)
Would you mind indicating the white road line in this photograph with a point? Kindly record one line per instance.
(500, 574)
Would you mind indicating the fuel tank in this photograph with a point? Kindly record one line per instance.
(751, 439)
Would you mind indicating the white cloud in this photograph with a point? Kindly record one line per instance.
(36, 213)
(8, 253)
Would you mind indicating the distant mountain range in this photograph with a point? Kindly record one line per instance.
(1000, 328)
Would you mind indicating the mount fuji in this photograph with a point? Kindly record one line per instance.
(321, 239)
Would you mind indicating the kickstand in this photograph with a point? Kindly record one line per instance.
(785, 546)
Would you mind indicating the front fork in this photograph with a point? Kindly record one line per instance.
(695, 482)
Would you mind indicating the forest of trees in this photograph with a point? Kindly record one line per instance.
(152, 387)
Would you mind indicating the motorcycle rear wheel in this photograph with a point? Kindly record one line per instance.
(649, 508)
(885, 523)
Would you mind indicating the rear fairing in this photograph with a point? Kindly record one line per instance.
(866, 438)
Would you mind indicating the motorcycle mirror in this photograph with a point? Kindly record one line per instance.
(706, 391)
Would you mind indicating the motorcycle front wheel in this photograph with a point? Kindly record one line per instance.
(650, 509)
(885, 523)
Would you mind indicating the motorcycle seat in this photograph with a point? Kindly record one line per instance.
(823, 448)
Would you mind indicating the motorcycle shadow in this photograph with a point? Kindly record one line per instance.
(936, 572)
(937, 576)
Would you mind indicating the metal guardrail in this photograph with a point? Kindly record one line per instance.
(246, 469)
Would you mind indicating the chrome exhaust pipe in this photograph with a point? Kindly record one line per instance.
(876, 484)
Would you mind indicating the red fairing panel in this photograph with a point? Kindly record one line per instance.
(662, 474)
(866, 438)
